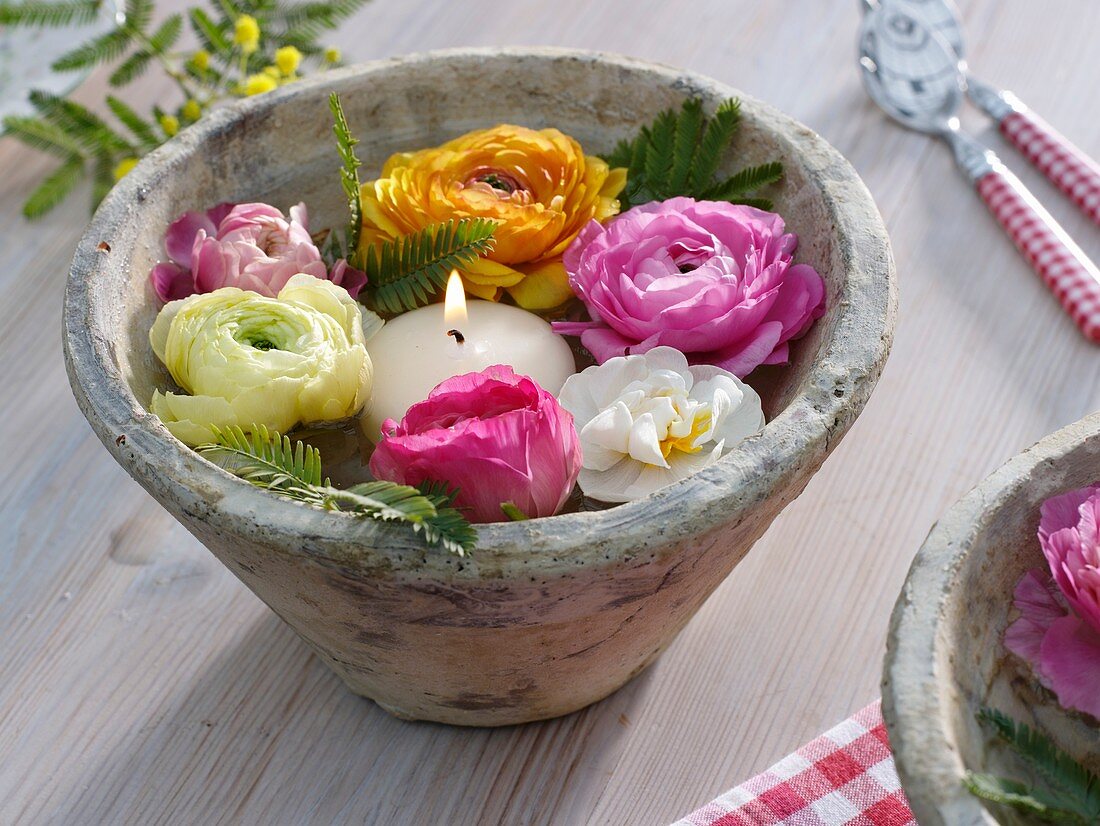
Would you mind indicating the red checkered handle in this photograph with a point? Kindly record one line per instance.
(1071, 170)
(1065, 268)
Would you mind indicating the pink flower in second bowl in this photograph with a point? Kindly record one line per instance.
(1058, 631)
(251, 246)
(496, 436)
(713, 280)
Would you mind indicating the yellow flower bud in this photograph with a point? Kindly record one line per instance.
(123, 168)
(258, 84)
(272, 72)
(170, 124)
(288, 59)
(191, 110)
(201, 60)
(247, 33)
(332, 54)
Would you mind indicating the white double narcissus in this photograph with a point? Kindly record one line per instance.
(249, 359)
(650, 420)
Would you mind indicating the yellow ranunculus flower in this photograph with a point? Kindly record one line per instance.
(248, 359)
(537, 184)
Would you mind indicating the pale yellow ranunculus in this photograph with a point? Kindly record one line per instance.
(247, 359)
(538, 185)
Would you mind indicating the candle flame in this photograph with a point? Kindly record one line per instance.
(454, 306)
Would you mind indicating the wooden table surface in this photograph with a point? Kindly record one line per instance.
(140, 682)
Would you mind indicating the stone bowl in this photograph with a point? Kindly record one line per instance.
(945, 656)
(548, 615)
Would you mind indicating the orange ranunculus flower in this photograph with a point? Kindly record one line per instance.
(537, 184)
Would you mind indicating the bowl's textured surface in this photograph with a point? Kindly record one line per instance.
(551, 614)
(945, 655)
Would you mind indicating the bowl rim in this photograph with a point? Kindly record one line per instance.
(920, 725)
(836, 389)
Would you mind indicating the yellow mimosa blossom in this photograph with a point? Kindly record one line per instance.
(123, 168)
(170, 124)
(538, 186)
(201, 60)
(246, 33)
(332, 54)
(244, 358)
(288, 58)
(191, 110)
(258, 84)
(272, 72)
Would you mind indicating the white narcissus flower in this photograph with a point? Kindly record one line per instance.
(650, 420)
(247, 359)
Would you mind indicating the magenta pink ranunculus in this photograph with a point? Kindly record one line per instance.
(495, 436)
(1058, 631)
(713, 280)
(250, 246)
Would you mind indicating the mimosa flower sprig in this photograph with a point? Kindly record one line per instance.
(245, 47)
(268, 460)
(1066, 792)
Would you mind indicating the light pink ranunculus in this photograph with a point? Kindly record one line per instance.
(250, 246)
(496, 436)
(1058, 631)
(713, 280)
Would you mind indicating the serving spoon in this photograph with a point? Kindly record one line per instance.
(1066, 165)
(913, 75)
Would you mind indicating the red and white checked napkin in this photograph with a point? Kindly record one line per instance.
(845, 776)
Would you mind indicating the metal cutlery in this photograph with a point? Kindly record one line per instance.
(915, 76)
(1068, 168)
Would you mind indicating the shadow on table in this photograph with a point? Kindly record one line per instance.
(267, 734)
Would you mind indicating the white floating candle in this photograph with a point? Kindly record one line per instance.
(417, 350)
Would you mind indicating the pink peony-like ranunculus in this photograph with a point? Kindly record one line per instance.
(713, 280)
(250, 246)
(1058, 631)
(496, 436)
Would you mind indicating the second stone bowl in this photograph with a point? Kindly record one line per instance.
(547, 615)
(946, 658)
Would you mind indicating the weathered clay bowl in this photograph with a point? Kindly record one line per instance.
(945, 657)
(551, 614)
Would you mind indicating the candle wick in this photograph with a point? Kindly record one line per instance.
(461, 339)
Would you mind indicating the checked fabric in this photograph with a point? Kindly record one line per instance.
(845, 776)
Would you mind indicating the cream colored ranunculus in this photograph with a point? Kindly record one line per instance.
(649, 420)
(246, 359)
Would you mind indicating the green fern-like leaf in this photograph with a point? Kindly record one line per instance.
(99, 49)
(81, 124)
(384, 500)
(214, 38)
(1022, 798)
(1055, 766)
(40, 134)
(103, 178)
(54, 188)
(408, 272)
(268, 460)
(747, 180)
(139, 14)
(304, 22)
(719, 132)
(349, 172)
(679, 154)
(138, 126)
(36, 13)
(167, 33)
(135, 64)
